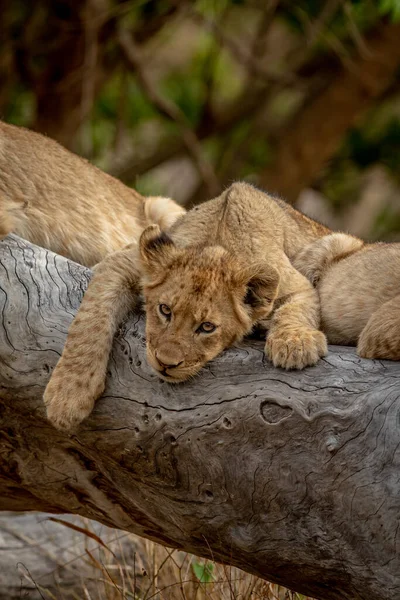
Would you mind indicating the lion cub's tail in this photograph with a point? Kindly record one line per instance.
(162, 211)
(313, 260)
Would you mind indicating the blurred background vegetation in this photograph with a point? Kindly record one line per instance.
(181, 98)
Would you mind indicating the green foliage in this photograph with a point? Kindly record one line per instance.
(147, 186)
(187, 92)
(212, 8)
(137, 13)
(260, 155)
(21, 106)
(387, 223)
(391, 8)
(302, 15)
(375, 141)
(340, 183)
(384, 147)
(189, 88)
(204, 571)
(135, 106)
(101, 133)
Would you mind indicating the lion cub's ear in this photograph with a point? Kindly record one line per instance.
(156, 247)
(262, 289)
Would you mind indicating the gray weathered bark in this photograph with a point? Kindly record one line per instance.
(291, 476)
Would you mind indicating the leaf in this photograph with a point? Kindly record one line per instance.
(391, 7)
(203, 571)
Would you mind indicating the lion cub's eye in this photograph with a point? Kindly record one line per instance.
(206, 327)
(165, 310)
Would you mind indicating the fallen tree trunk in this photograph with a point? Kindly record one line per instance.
(293, 476)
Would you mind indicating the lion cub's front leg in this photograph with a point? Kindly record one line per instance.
(79, 377)
(294, 341)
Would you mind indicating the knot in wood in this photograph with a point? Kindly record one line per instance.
(273, 413)
(332, 443)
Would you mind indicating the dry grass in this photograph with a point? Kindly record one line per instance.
(123, 566)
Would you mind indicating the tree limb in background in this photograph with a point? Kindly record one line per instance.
(354, 31)
(292, 476)
(149, 27)
(316, 132)
(260, 39)
(175, 146)
(171, 111)
(314, 29)
(208, 71)
(67, 85)
(92, 25)
(251, 63)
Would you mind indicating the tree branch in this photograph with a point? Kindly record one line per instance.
(293, 476)
(244, 57)
(174, 146)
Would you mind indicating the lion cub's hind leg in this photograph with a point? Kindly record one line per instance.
(380, 337)
(5, 220)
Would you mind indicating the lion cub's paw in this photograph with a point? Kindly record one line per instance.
(295, 348)
(68, 400)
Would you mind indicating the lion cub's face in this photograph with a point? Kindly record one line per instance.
(199, 300)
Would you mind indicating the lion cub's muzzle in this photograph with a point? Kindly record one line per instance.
(168, 359)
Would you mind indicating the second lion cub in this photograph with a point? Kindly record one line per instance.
(359, 290)
(60, 201)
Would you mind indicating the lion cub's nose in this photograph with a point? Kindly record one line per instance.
(167, 361)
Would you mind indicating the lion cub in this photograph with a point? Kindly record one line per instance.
(359, 290)
(57, 200)
(220, 269)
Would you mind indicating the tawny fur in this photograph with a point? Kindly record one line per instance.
(359, 289)
(60, 201)
(226, 262)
